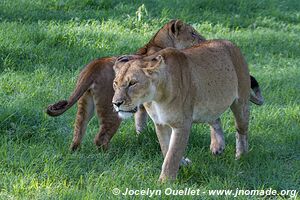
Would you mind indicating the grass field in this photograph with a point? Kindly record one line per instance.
(45, 44)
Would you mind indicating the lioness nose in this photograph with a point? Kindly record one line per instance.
(118, 103)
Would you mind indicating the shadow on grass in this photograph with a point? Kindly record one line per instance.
(32, 11)
(61, 51)
(230, 13)
(58, 52)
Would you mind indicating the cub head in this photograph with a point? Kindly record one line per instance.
(135, 83)
(177, 34)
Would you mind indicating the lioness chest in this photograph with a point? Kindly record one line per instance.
(161, 114)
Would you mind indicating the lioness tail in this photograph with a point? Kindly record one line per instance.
(256, 96)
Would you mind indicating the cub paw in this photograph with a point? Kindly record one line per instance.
(102, 144)
(74, 146)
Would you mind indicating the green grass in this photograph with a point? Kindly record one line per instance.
(43, 46)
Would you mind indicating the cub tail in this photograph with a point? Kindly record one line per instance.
(86, 79)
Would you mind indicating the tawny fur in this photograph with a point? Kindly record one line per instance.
(178, 88)
(94, 86)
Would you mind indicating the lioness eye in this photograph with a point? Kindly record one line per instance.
(131, 83)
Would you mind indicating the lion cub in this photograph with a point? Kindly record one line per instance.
(179, 87)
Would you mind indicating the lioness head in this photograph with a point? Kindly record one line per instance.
(135, 83)
(175, 34)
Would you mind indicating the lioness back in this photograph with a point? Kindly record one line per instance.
(214, 77)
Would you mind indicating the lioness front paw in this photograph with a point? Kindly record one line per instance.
(164, 178)
(185, 162)
(217, 148)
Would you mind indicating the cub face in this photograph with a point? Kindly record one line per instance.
(134, 84)
(185, 35)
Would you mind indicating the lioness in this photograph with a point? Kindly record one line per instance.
(179, 87)
(94, 89)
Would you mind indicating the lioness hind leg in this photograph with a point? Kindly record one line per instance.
(217, 143)
(240, 111)
(109, 125)
(140, 119)
(85, 112)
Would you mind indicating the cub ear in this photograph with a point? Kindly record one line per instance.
(176, 27)
(157, 62)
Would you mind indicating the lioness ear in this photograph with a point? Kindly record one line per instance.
(159, 59)
(124, 59)
(158, 62)
(176, 27)
(118, 62)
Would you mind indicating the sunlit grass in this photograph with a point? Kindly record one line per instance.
(44, 45)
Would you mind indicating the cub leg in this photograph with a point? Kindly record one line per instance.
(240, 111)
(140, 119)
(177, 145)
(217, 144)
(109, 125)
(85, 112)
